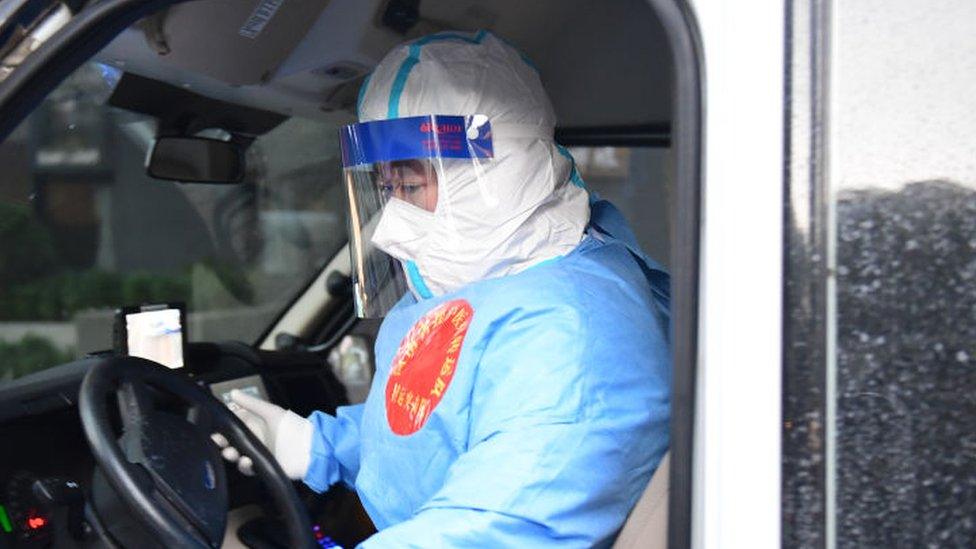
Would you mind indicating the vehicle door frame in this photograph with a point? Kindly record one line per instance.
(96, 25)
(736, 462)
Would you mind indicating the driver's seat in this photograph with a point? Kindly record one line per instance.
(647, 525)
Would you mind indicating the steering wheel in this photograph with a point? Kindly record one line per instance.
(165, 467)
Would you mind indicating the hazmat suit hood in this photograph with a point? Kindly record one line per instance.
(524, 207)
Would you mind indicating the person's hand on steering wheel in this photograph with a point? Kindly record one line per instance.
(286, 434)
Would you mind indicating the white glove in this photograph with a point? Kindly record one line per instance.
(286, 434)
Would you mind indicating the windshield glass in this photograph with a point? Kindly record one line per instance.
(84, 230)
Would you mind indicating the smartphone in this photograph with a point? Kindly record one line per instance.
(154, 332)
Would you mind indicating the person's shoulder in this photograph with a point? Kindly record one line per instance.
(596, 277)
(622, 306)
(540, 291)
(571, 280)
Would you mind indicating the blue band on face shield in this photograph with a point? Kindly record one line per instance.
(415, 137)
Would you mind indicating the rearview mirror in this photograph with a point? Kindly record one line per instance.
(196, 160)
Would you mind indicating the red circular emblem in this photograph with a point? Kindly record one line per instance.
(424, 365)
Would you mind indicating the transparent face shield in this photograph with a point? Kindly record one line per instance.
(395, 177)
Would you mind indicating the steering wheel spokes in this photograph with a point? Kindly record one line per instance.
(135, 402)
(164, 465)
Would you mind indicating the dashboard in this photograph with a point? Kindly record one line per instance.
(47, 471)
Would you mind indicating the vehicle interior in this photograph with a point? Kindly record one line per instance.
(188, 165)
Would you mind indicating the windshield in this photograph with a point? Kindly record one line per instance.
(84, 231)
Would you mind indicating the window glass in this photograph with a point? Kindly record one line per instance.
(903, 387)
(638, 181)
(83, 230)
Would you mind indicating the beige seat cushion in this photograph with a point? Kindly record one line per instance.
(647, 525)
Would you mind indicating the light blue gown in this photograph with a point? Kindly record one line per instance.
(540, 418)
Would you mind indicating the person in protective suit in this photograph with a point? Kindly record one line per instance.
(521, 395)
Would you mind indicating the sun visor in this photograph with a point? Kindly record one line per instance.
(227, 41)
(188, 112)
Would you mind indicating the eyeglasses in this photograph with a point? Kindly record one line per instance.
(413, 181)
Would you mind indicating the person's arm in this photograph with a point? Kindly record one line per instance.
(335, 448)
(320, 450)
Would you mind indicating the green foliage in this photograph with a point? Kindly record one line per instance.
(59, 297)
(26, 248)
(35, 285)
(85, 290)
(31, 354)
(234, 281)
